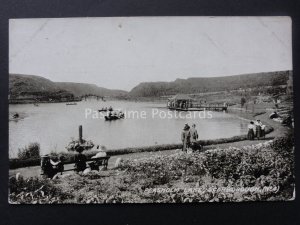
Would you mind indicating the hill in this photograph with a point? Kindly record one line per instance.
(209, 84)
(29, 87)
(80, 89)
(19, 84)
(36, 88)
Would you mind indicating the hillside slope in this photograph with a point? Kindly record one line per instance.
(198, 85)
(31, 87)
(19, 84)
(80, 89)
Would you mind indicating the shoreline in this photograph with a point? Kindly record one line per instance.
(108, 98)
(207, 144)
(274, 129)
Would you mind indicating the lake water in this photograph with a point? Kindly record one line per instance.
(54, 125)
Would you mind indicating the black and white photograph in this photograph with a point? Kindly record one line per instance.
(161, 109)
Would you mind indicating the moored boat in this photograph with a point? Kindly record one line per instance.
(103, 110)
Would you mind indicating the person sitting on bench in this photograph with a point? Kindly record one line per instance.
(50, 167)
(80, 160)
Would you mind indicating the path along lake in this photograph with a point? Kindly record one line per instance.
(53, 125)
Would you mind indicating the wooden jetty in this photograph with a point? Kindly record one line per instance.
(182, 102)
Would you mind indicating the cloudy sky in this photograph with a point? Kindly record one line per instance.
(121, 52)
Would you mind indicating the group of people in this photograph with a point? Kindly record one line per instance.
(113, 115)
(50, 166)
(189, 138)
(256, 130)
(105, 109)
(189, 135)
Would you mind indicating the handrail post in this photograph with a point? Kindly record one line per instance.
(80, 134)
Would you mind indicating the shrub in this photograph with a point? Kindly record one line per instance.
(30, 151)
(214, 173)
(284, 144)
(35, 191)
(260, 166)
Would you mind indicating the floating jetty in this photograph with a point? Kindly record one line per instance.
(182, 102)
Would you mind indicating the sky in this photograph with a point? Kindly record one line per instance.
(121, 52)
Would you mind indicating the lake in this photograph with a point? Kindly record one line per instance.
(53, 125)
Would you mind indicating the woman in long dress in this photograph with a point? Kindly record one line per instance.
(258, 125)
(186, 137)
(263, 131)
(251, 128)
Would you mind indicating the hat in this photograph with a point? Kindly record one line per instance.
(99, 155)
(186, 126)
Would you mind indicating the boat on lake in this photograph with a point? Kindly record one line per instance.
(115, 115)
(103, 110)
(106, 109)
(71, 103)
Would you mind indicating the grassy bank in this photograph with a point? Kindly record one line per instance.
(261, 172)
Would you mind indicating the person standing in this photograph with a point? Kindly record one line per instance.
(251, 128)
(186, 137)
(194, 138)
(258, 125)
(263, 131)
(194, 133)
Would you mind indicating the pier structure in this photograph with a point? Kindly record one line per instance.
(183, 102)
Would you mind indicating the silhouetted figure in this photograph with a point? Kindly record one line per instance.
(251, 128)
(80, 160)
(186, 137)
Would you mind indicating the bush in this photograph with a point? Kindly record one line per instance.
(260, 166)
(214, 173)
(30, 151)
(35, 191)
(284, 144)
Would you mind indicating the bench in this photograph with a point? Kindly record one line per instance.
(99, 161)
